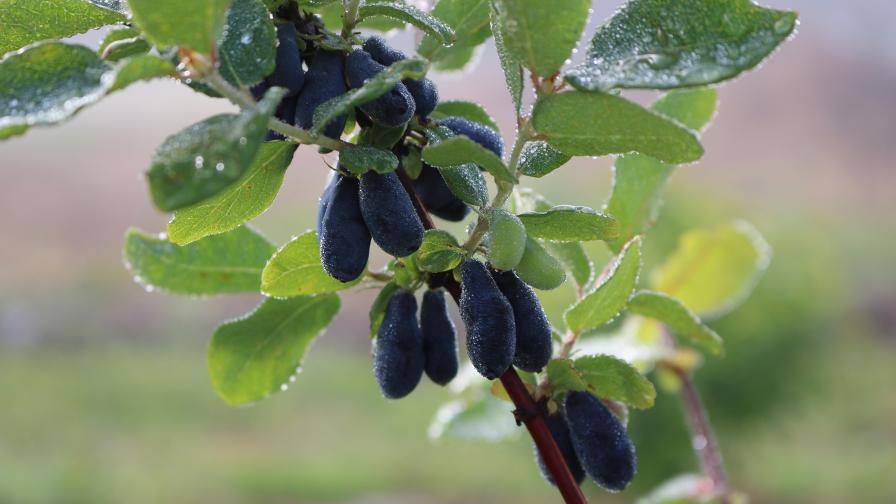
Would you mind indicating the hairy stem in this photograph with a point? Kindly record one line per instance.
(350, 16)
(244, 100)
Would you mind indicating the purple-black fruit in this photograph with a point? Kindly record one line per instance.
(560, 433)
(389, 214)
(398, 350)
(533, 331)
(288, 72)
(325, 80)
(392, 109)
(286, 112)
(424, 92)
(601, 442)
(488, 317)
(479, 133)
(439, 338)
(344, 239)
(437, 197)
(324, 200)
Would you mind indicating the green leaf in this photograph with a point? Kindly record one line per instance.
(246, 53)
(296, 270)
(48, 83)
(139, 68)
(638, 180)
(483, 419)
(461, 149)
(409, 14)
(372, 89)
(539, 158)
(469, 20)
(677, 317)
(656, 44)
(203, 159)
(574, 260)
(539, 34)
(465, 181)
(713, 270)
(359, 159)
(439, 252)
(603, 303)
(378, 307)
(382, 137)
(513, 71)
(596, 124)
(26, 22)
(468, 110)
(121, 43)
(246, 199)
(570, 223)
(229, 262)
(170, 23)
(605, 377)
(253, 357)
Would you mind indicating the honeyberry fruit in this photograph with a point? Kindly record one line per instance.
(507, 239)
(600, 441)
(479, 133)
(488, 317)
(424, 92)
(324, 200)
(325, 80)
(439, 338)
(437, 197)
(288, 72)
(344, 239)
(533, 331)
(538, 268)
(286, 112)
(398, 350)
(389, 214)
(392, 109)
(560, 433)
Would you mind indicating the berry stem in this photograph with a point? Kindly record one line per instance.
(244, 100)
(527, 409)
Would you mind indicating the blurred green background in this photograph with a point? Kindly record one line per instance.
(103, 387)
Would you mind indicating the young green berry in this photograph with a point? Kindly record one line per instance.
(389, 214)
(488, 317)
(392, 109)
(538, 268)
(533, 331)
(507, 239)
(325, 80)
(600, 440)
(439, 338)
(344, 239)
(398, 349)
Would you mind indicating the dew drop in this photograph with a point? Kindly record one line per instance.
(199, 162)
(219, 167)
(283, 387)
(246, 39)
(243, 141)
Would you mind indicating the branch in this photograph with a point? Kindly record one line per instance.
(527, 410)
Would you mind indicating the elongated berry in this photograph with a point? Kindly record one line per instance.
(601, 442)
(392, 109)
(507, 239)
(324, 200)
(286, 112)
(533, 331)
(325, 80)
(288, 72)
(560, 433)
(424, 91)
(389, 214)
(437, 197)
(344, 239)
(488, 317)
(439, 338)
(538, 268)
(398, 351)
(479, 133)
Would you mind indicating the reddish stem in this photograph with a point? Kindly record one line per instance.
(527, 410)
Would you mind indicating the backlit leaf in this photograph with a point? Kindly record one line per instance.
(296, 270)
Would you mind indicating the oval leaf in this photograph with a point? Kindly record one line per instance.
(604, 376)
(253, 357)
(248, 198)
(596, 124)
(26, 22)
(570, 223)
(459, 150)
(679, 319)
(229, 262)
(656, 44)
(296, 270)
(409, 14)
(469, 20)
(605, 301)
(539, 158)
(468, 110)
(247, 51)
(439, 252)
(465, 180)
(359, 159)
(170, 23)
